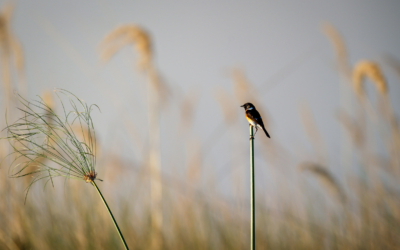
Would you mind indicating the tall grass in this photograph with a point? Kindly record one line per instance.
(45, 146)
(316, 208)
(140, 39)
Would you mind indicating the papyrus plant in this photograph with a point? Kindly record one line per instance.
(46, 146)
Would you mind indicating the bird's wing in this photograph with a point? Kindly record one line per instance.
(255, 116)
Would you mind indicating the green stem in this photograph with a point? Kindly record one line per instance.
(112, 216)
(252, 199)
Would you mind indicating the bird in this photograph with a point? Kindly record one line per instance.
(254, 118)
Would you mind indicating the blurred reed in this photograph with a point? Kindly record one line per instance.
(339, 46)
(367, 69)
(326, 178)
(11, 54)
(140, 39)
(195, 215)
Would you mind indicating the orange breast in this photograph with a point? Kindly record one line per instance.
(250, 121)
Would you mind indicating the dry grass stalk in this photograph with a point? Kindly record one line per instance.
(340, 48)
(228, 106)
(194, 162)
(140, 39)
(355, 131)
(372, 71)
(10, 51)
(326, 179)
(187, 109)
(312, 131)
(125, 35)
(390, 116)
(395, 149)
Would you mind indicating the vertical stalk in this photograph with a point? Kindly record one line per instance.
(252, 199)
(153, 96)
(112, 216)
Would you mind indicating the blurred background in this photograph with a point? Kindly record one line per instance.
(169, 79)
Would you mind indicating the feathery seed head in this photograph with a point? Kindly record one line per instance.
(5, 16)
(47, 141)
(371, 70)
(128, 35)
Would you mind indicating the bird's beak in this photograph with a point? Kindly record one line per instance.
(242, 105)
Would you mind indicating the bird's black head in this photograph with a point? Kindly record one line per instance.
(247, 106)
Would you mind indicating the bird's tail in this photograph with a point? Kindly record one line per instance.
(266, 132)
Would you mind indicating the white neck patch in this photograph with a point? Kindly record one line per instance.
(250, 108)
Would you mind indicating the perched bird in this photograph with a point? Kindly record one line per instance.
(253, 117)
